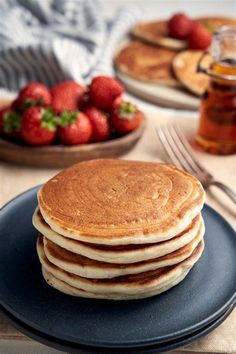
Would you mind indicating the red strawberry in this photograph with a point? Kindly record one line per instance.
(199, 38)
(66, 96)
(116, 103)
(104, 90)
(38, 126)
(84, 101)
(126, 118)
(100, 124)
(33, 94)
(74, 128)
(16, 105)
(180, 26)
(10, 122)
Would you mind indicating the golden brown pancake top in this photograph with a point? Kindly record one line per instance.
(212, 23)
(157, 28)
(156, 32)
(147, 62)
(185, 68)
(117, 197)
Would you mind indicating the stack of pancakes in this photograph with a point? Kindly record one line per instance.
(116, 229)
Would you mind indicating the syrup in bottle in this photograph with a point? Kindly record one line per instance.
(217, 125)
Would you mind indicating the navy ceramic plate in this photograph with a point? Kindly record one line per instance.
(203, 296)
(78, 349)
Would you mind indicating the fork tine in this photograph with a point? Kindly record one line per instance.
(176, 150)
(189, 151)
(166, 147)
(183, 150)
(169, 147)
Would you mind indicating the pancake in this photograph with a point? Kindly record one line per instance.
(147, 62)
(138, 284)
(120, 254)
(156, 32)
(213, 23)
(89, 268)
(118, 202)
(70, 290)
(185, 66)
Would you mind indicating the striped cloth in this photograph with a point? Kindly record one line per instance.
(55, 40)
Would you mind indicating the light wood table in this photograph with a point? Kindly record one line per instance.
(16, 179)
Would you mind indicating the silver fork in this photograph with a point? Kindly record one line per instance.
(181, 154)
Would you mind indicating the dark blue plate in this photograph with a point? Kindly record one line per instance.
(79, 349)
(205, 294)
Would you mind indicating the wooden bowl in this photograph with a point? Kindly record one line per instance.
(60, 156)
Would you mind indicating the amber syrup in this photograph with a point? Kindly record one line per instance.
(217, 127)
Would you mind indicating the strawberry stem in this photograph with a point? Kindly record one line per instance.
(66, 118)
(12, 122)
(30, 103)
(49, 120)
(127, 110)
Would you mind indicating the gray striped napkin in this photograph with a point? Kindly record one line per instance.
(55, 40)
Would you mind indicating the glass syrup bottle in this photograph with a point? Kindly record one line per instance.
(217, 125)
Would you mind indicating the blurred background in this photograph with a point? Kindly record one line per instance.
(157, 9)
(56, 41)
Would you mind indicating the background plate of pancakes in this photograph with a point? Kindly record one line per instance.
(176, 317)
(161, 69)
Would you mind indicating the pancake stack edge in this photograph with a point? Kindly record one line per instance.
(120, 230)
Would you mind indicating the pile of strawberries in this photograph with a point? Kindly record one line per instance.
(69, 113)
(182, 27)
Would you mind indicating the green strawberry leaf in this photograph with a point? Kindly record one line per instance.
(26, 104)
(49, 120)
(67, 117)
(106, 114)
(39, 102)
(30, 103)
(127, 111)
(12, 122)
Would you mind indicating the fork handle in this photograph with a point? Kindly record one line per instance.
(230, 193)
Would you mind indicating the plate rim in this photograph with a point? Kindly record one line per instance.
(144, 342)
(164, 346)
